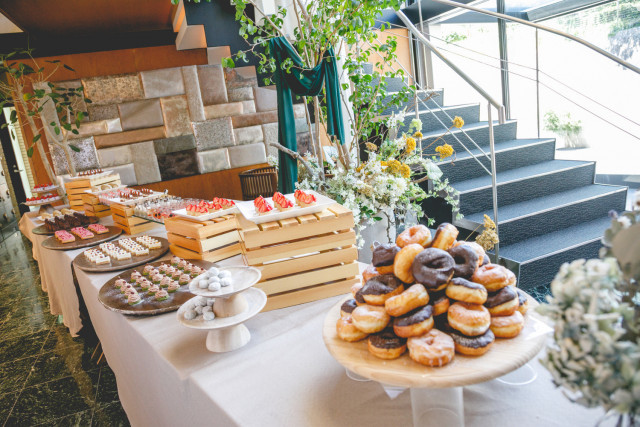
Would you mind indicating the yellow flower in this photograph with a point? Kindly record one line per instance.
(458, 122)
(371, 146)
(393, 166)
(444, 151)
(405, 171)
(417, 134)
(359, 168)
(383, 163)
(488, 239)
(411, 145)
(488, 223)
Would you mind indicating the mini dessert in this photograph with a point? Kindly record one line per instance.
(281, 202)
(176, 274)
(161, 295)
(208, 315)
(403, 263)
(170, 271)
(523, 301)
(120, 283)
(184, 279)
(494, 277)
(64, 236)
(134, 299)
(446, 235)
(124, 288)
(503, 302)
(135, 275)
(414, 297)
(507, 326)
(149, 242)
(196, 271)
(419, 234)
(214, 286)
(145, 284)
(173, 287)
(165, 282)
(175, 260)
(383, 257)
(347, 307)
(433, 268)
(98, 228)
(473, 346)
(370, 272)
(440, 305)
(157, 278)
(262, 206)
(347, 331)
(141, 280)
(147, 269)
(187, 268)
(466, 260)
(379, 289)
(97, 256)
(153, 289)
(386, 345)
(304, 199)
(463, 290)
(415, 323)
(470, 319)
(432, 349)
(370, 318)
(190, 314)
(182, 264)
(82, 233)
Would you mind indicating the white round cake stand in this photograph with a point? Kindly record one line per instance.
(227, 333)
(437, 393)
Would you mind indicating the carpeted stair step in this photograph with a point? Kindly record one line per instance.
(547, 214)
(538, 259)
(526, 183)
(511, 154)
(478, 132)
(410, 104)
(394, 84)
(442, 119)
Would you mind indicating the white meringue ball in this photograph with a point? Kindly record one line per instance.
(208, 315)
(214, 279)
(206, 308)
(210, 301)
(203, 284)
(213, 271)
(198, 309)
(225, 282)
(214, 286)
(224, 274)
(190, 314)
(200, 302)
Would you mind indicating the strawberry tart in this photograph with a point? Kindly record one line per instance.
(64, 236)
(98, 228)
(281, 202)
(304, 199)
(82, 233)
(262, 206)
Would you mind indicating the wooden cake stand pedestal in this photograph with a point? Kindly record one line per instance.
(436, 393)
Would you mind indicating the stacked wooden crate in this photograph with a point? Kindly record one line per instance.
(123, 218)
(303, 259)
(77, 187)
(211, 240)
(92, 206)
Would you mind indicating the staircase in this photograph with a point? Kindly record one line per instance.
(550, 211)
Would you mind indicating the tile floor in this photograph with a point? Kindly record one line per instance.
(46, 377)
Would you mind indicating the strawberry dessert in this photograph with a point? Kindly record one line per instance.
(304, 199)
(82, 233)
(98, 228)
(64, 236)
(281, 202)
(262, 206)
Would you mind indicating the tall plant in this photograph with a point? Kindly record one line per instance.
(29, 89)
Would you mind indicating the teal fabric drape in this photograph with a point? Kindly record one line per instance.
(305, 82)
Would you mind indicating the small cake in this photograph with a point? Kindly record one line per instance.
(153, 289)
(213, 271)
(147, 269)
(182, 264)
(134, 299)
(196, 271)
(214, 286)
(165, 282)
(190, 314)
(262, 206)
(227, 204)
(187, 268)
(82, 233)
(141, 280)
(98, 228)
(123, 289)
(157, 278)
(135, 275)
(64, 236)
(162, 295)
(120, 283)
(145, 284)
(224, 273)
(163, 268)
(304, 199)
(184, 279)
(173, 287)
(170, 271)
(130, 291)
(208, 316)
(176, 275)
(281, 202)
(175, 261)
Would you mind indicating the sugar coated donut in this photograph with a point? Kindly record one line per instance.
(414, 323)
(370, 272)
(355, 291)
(419, 234)
(479, 250)
(383, 255)
(507, 326)
(433, 268)
(463, 290)
(347, 307)
(434, 348)
(470, 319)
(379, 289)
(414, 297)
(523, 301)
(466, 261)
(370, 318)
(446, 235)
(473, 346)
(440, 305)
(403, 264)
(503, 302)
(386, 345)
(347, 331)
(494, 277)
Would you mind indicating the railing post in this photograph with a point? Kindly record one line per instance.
(494, 185)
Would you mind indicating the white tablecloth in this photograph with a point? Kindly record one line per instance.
(283, 377)
(55, 273)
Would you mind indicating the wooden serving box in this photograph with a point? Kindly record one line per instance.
(124, 219)
(76, 188)
(211, 240)
(303, 259)
(92, 206)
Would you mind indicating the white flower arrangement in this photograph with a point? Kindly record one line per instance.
(595, 355)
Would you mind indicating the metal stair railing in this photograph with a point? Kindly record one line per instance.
(491, 102)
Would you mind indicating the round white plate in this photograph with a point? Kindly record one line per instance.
(256, 300)
(241, 279)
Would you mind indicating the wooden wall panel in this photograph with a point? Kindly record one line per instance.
(206, 186)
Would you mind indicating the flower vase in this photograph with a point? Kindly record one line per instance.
(379, 231)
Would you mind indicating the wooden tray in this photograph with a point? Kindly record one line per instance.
(83, 263)
(112, 299)
(54, 244)
(212, 240)
(41, 230)
(504, 356)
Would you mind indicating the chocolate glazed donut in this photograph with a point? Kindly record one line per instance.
(383, 255)
(433, 268)
(380, 288)
(466, 260)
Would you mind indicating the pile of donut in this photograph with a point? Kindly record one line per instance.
(434, 297)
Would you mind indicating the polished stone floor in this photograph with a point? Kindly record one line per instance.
(46, 377)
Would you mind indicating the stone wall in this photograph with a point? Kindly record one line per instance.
(175, 122)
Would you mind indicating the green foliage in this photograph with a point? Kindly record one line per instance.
(562, 125)
(454, 37)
